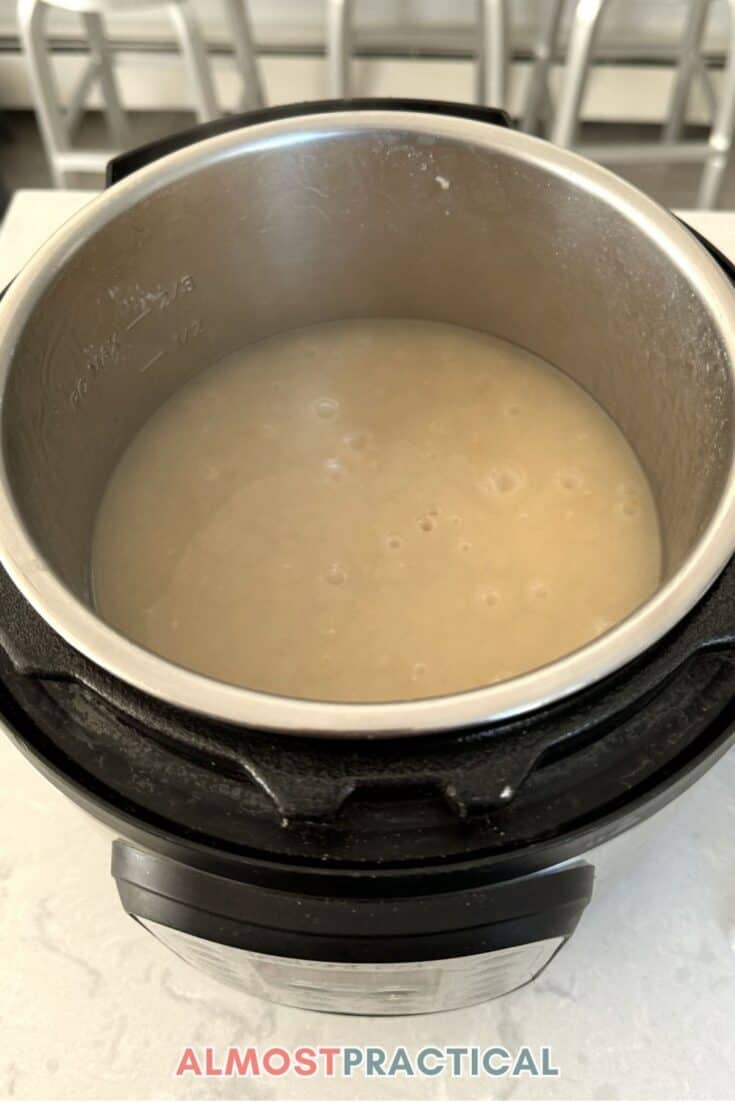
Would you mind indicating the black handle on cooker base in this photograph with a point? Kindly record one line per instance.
(129, 162)
(372, 928)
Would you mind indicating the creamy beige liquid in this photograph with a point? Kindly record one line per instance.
(375, 510)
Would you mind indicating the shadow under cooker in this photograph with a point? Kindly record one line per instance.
(236, 827)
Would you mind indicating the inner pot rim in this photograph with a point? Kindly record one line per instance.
(158, 677)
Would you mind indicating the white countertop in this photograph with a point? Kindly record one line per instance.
(639, 1004)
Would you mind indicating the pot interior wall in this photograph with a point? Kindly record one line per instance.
(359, 224)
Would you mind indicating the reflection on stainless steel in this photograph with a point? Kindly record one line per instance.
(361, 214)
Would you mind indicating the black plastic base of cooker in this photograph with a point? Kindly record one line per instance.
(336, 927)
(387, 818)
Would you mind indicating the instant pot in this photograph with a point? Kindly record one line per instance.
(376, 858)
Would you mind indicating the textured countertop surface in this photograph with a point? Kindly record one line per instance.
(639, 1004)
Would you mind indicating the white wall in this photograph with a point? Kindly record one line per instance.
(629, 24)
(292, 32)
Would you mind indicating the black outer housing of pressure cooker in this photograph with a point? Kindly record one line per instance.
(359, 849)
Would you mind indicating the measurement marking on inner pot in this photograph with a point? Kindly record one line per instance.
(162, 298)
(153, 360)
(98, 357)
(137, 320)
(189, 332)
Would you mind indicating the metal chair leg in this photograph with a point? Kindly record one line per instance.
(105, 65)
(191, 42)
(55, 137)
(492, 56)
(238, 17)
(480, 53)
(720, 142)
(77, 104)
(538, 95)
(582, 39)
(339, 47)
(707, 88)
(686, 69)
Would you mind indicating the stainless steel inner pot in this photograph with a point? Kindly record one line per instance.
(370, 213)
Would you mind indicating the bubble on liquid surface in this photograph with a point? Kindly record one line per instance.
(628, 507)
(357, 441)
(394, 543)
(512, 410)
(505, 480)
(601, 624)
(326, 408)
(336, 575)
(464, 546)
(570, 480)
(538, 591)
(490, 597)
(334, 470)
(427, 523)
(418, 670)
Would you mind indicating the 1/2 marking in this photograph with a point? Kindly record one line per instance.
(153, 360)
(190, 331)
(100, 357)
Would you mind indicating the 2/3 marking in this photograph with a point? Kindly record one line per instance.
(161, 299)
(168, 295)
